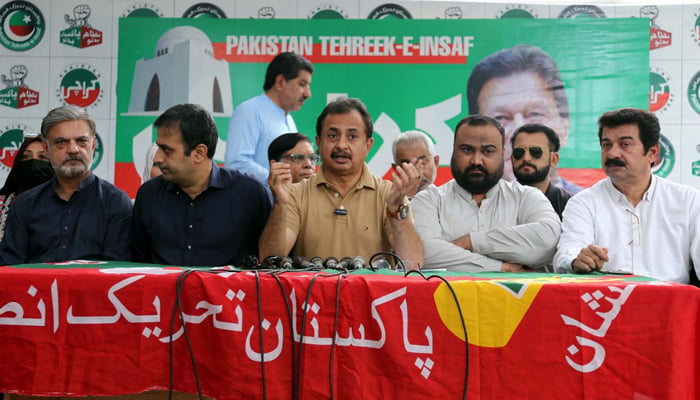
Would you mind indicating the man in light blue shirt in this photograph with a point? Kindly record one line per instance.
(256, 122)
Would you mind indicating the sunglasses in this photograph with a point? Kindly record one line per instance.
(535, 151)
(300, 158)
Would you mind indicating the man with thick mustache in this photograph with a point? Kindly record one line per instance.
(479, 221)
(75, 215)
(343, 210)
(535, 152)
(632, 221)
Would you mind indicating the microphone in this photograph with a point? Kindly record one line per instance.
(270, 262)
(380, 263)
(285, 263)
(316, 263)
(332, 263)
(357, 262)
(299, 262)
(345, 263)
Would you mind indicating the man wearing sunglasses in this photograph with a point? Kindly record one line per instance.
(479, 221)
(535, 153)
(632, 221)
(295, 149)
(517, 86)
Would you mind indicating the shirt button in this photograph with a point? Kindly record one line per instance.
(63, 246)
(190, 226)
(189, 247)
(336, 194)
(65, 228)
(191, 204)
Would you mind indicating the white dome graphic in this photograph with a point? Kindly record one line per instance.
(183, 70)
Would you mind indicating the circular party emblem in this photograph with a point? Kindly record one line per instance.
(99, 153)
(390, 11)
(586, 11)
(142, 10)
(517, 12)
(659, 91)
(23, 25)
(80, 86)
(204, 10)
(663, 165)
(328, 11)
(11, 138)
(693, 95)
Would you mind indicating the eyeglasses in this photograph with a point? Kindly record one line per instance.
(535, 151)
(300, 158)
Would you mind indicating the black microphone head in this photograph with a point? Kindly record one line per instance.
(270, 262)
(380, 263)
(316, 262)
(285, 263)
(332, 263)
(345, 263)
(357, 262)
(299, 262)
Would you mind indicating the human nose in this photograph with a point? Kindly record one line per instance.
(307, 92)
(73, 146)
(158, 157)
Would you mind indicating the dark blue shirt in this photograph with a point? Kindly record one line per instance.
(221, 226)
(558, 197)
(93, 224)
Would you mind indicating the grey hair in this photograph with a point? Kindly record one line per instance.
(66, 113)
(410, 138)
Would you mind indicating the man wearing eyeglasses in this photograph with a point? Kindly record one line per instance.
(75, 215)
(632, 221)
(295, 149)
(415, 147)
(479, 221)
(535, 153)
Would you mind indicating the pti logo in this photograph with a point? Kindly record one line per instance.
(11, 138)
(585, 11)
(16, 93)
(517, 11)
(693, 95)
(658, 37)
(453, 13)
(23, 25)
(660, 96)
(99, 152)
(80, 86)
(142, 10)
(204, 10)
(328, 11)
(664, 162)
(389, 11)
(79, 33)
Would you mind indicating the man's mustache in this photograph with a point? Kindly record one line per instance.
(476, 168)
(527, 164)
(614, 162)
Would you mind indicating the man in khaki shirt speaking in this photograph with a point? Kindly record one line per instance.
(343, 210)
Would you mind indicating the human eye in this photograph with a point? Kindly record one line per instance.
(466, 149)
(606, 145)
(83, 142)
(60, 143)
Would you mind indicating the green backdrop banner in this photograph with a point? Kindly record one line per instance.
(411, 74)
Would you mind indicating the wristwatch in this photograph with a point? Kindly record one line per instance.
(401, 214)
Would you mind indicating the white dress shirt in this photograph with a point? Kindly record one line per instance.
(658, 238)
(514, 223)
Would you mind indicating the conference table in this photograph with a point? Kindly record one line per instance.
(91, 328)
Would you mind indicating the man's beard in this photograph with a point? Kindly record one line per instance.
(533, 177)
(73, 171)
(476, 185)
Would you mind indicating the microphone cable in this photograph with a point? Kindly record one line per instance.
(260, 335)
(335, 330)
(461, 317)
(288, 306)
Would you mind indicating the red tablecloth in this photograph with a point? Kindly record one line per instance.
(105, 329)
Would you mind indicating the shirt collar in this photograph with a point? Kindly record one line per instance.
(647, 196)
(274, 105)
(366, 179)
(87, 181)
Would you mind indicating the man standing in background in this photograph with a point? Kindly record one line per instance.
(256, 122)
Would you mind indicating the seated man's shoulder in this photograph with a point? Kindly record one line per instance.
(112, 193)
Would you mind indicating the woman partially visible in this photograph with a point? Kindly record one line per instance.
(30, 168)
